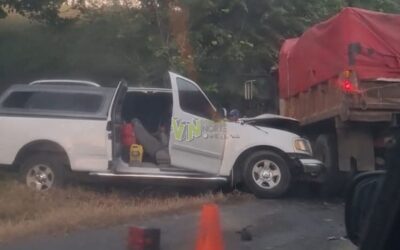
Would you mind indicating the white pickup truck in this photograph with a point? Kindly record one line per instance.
(48, 131)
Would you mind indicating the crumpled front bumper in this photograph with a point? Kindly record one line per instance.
(312, 166)
(304, 164)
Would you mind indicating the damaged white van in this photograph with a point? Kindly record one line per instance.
(50, 130)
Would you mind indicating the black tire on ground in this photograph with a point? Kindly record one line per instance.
(266, 165)
(325, 150)
(47, 171)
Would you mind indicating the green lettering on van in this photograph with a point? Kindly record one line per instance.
(194, 130)
(178, 128)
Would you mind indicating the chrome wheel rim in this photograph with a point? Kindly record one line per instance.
(266, 174)
(40, 177)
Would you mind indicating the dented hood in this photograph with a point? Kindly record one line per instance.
(273, 121)
(267, 118)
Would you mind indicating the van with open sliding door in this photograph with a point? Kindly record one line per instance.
(51, 130)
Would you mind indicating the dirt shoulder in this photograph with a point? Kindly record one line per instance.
(285, 224)
(24, 212)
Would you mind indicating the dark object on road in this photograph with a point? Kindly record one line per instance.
(144, 238)
(245, 234)
(363, 192)
(373, 206)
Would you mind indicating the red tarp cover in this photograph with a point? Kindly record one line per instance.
(322, 51)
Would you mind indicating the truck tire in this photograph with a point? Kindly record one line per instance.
(266, 174)
(43, 172)
(325, 150)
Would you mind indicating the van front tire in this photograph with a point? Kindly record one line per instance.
(266, 174)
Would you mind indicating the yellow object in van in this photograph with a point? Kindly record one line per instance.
(136, 153)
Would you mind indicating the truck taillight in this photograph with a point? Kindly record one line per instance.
(348, 87)
(348, 82)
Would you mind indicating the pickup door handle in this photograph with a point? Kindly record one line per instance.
(109, 126)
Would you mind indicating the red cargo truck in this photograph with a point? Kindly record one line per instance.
(341, 80)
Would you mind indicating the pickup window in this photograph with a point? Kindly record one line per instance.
(54, 101)
(193, 101)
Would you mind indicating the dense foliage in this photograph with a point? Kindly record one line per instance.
(43, 10)
(221, 43)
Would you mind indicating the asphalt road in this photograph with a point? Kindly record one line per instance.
(291, 223)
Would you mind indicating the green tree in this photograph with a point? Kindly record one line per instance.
(47, 11)
(221, 43)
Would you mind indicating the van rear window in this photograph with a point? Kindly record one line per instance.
(54, 101)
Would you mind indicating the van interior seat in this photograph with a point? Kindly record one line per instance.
(153, 147)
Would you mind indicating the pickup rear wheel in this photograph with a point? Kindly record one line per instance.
(266, 174)
(43, 172)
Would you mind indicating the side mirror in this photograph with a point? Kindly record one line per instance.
(224, 112)
(221, 114)
(360, 200)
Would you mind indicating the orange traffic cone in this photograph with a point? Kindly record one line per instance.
(209, 235)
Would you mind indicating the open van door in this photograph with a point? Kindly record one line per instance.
(197, 140)
(114, 122)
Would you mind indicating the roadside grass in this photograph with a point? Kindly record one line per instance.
(25, 212)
